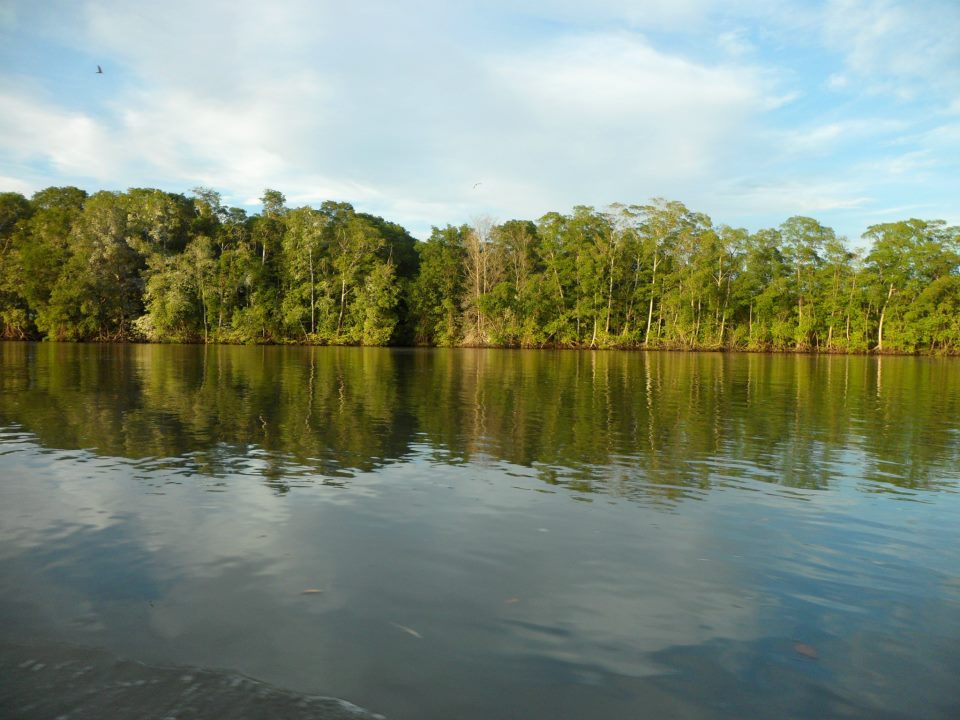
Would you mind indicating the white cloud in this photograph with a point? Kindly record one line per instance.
(600, 106)
(900, 211)
(18, 185)
(910, 163)
(796, 197)
(828, 137)
(675, 15)
(241, 142)
(218, 48)
(946, 136)
(621, 76)
(735, 43)
(329, 107)
(905, 48)
(838, 81)
(401, 109)
(816, 139)
(72, 142)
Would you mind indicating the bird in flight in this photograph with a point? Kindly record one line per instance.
(476, 185)
(99, 70)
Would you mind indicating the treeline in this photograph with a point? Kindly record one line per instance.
(158, 266)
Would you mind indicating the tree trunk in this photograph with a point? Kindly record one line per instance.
(343, 301)
(883, 315)
(696, 327)
(313, 303)
(660, 317)
(653, 287)
(799, 300)
(606, 328)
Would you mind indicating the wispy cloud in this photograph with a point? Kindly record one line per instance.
(903, 48)
(804, 196)
(910, 163)
(747, 110)
(15, 184)
(825, 138)
(588, 104)
(70, 142)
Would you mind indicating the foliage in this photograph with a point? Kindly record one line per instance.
(147, 264)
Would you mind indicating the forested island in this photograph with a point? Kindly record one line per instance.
(149, 265)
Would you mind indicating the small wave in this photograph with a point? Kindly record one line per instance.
(58, 680)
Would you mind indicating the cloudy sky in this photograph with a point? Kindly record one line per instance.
(748, 110)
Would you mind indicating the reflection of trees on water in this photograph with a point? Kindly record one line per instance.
(629, 424)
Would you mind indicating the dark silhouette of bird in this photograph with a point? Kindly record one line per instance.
(99, 70)
(476, 185)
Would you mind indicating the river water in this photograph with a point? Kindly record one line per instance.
(245, 531)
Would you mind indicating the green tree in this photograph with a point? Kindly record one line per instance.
(377, 304)
(513, 301)
(805, 240)
(98, 294)
(663, 221)
(157, 221)
(304, 253)
(483, 270)
(906, 258)
(436, 292)
(15, 210)
(44, 249)
(557, 279)
(355, 245)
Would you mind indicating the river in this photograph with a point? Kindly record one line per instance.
(477, 533)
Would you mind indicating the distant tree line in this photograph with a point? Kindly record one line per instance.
(165, 267)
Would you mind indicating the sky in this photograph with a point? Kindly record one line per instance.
(435, 112)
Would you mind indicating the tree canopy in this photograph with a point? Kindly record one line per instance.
(152, 265)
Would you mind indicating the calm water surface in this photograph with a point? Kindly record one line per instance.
(485, 534)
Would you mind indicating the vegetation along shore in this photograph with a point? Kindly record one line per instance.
(148, 265)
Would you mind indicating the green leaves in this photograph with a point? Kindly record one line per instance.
(147, 264)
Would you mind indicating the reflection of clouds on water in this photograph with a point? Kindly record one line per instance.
(48, 489)
(612, 592)
(701, 561)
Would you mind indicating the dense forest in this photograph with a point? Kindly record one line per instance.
(157, 266)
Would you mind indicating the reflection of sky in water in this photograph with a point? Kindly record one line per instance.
(662, 547)
(515, 593)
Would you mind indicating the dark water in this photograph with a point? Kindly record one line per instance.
(487, 534)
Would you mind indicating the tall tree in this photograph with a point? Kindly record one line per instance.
(805, 240)
(436, 292)
(98, 294)
(906, 257)
(483, 270)
(15, 210)
(559, 265)
(662, 224)
(304, 252)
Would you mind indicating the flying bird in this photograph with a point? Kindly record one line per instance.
(476, 185)
(99, 70)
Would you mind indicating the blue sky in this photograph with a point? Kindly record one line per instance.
(846, 110)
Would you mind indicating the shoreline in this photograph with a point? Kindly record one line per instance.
(873, 352)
